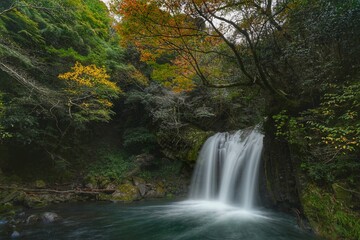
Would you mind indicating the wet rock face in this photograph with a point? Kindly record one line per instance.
(278, 177)
(185, 145)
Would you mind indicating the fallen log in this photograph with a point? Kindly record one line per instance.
(75, 191)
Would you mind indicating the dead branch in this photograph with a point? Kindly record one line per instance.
(75, 191)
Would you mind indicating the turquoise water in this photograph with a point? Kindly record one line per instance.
(187, 220)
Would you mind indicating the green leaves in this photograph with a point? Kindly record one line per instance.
(329, 215)
(336, 119)
(328, 135)
(111, 164)
(41, 39)
(139, 140)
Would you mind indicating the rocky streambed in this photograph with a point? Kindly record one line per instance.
(16, 201)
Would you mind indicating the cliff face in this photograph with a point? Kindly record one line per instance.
(330, 209)
(278, 176)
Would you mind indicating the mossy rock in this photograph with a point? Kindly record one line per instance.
(126, 193)
(7, 210)
(40, 184)
(160, 191)
(157, 191)
(104, 197)
(140, 183)
(196, 138)
(185, 145)
(138, 180)
(35, 202)
(329, 217)
(170, 196)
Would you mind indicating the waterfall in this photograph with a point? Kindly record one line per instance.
(227, 168)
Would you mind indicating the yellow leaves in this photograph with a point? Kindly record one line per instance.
(341, 143)
(89, 91)
(146, 56)
(351, 115)
(139, 77)
(328, 112)
(105, 102)
(182, 84)
(176, 76)
(89, 76)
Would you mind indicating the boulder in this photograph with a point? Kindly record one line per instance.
(137, 180)
(32, 219)
(15, 234)
(156, 192)
(126, 193)
(49, 217)
(142, 189)
(141, 185)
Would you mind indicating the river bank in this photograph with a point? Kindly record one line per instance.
(17, 199)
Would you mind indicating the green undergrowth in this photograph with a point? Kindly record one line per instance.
(111, 165)
(139, 140)
(330, 217)
(162, 170)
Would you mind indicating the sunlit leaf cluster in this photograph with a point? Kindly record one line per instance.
(90, 91)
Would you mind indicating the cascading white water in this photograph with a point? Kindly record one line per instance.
(227, 168)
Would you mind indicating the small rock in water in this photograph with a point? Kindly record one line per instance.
(49, 217)
(15, 234)
(22, 214)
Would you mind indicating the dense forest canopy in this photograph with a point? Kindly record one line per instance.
(43, 114)
(60, 63)
(301, 55)
(238, 43)
(63, 68)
